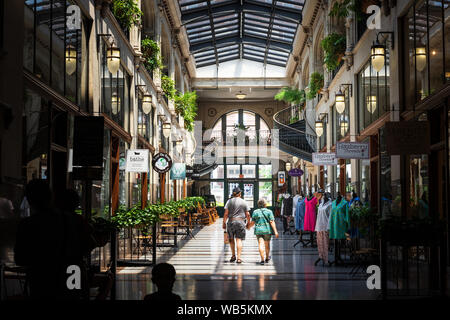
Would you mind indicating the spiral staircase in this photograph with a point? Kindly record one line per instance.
(293, 137)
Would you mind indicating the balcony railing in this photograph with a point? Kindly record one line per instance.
(237, 137)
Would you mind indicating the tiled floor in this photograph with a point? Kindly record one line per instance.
(203, 272)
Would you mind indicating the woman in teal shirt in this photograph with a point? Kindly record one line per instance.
(264, 223)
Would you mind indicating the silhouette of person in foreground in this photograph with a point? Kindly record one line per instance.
(163, 275)
(48, 242)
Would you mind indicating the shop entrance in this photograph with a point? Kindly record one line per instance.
(248, 191)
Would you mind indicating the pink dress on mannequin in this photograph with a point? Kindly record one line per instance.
(310, 214)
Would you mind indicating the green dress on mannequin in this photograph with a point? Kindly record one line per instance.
(339, 220)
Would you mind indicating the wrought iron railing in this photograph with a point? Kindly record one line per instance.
(292, 137)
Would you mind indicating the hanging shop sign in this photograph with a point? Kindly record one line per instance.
(162, 162)
(281, 178)
(137, 160)
(324, 159)
(88, 141)
(178, 171)
(295, 172)
(407, 137)
(352, 150)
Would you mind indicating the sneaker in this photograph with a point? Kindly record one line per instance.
(267, 260)
(262, 262)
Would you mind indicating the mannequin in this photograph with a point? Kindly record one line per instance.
(322, 225)
(299, 220)
(287, 213)
(339, 223)
(310, 216)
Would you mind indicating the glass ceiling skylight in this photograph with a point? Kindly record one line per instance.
(258, 30)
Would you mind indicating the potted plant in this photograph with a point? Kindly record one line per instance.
(168, 87)
(333, 46)
(151, 54)
(292, 95)
(103, 229)
(315, 85)
(127, 13)
(186, 106)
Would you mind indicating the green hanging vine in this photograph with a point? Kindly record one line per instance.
(333, 46)
(127, 13)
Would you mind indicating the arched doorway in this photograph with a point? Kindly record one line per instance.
(252, 174)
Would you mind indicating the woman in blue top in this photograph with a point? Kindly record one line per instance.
(265, 226)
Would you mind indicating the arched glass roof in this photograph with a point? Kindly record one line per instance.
(258, 30)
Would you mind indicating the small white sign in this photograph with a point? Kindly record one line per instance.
(137, 160)
(352, 150)
(281, 178)
(324, 159)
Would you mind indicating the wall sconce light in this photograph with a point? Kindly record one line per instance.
(166, 128)
(147, 103)
(71, 59)
(113, 59)
(179, 145)
(378, 52)
(421, 58)
(288, 166)
(371, 102)
(240, 95)
(320, 123)
(295, 159)
(319, 128)
(115, 103)
(344, 127)
(340, 98)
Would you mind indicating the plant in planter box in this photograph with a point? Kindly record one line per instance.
(291, 95)
(103, 229)
(333, 46)
(168, 87)
(186, 106)
(151, 53)
(127, 13)
(315, 85)
(293, 119)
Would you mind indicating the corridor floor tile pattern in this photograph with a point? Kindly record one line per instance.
(204, 272)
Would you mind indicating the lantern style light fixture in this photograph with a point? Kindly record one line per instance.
(288, 166)
(240, 95)
(147, 103)
(378, 52)
(166, 128)
(377, 56)
(115, 103)
(340, 101)
(340, 97)
(113, 59)
(344, 127)
(319, 128)
(179, 145)
(371, 102)
(295, 159)
(421, 58)
(71, 59)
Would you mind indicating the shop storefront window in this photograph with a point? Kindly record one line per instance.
(425, 54)
(218, 173)
(36, 124)
(348, 178)
(55, 54)
(100, 188)
(365, 180)
(390, 186)
(115, 92)
(218, 189)
(123, 176)
(373, 93)
(145, 123)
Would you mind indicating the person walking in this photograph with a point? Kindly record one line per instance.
(235, 220)
(264, 222)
